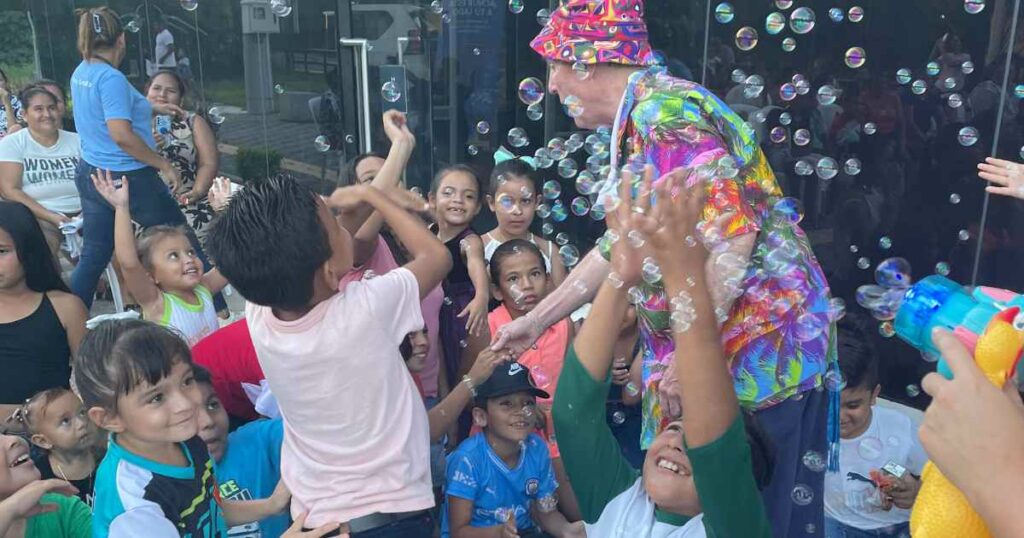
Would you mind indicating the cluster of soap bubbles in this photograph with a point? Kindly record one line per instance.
(683, 312)
(883, 299)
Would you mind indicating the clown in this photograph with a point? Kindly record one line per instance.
(770, 294)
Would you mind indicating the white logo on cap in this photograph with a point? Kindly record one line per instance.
(515, 368)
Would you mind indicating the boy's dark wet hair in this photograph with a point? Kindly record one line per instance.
(454, 169)
(150, 237)
(118, 355)
(512, 169)
(511, 248)
(270, 242)
(857, 360)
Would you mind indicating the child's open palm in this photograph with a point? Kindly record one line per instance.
(108, 188)
(626, 258)
(672, 221)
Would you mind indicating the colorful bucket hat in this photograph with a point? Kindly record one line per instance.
(596, 31)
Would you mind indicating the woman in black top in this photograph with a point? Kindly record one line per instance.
(41, 322)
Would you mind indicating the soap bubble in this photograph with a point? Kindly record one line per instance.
(919, 87)
(787, 92)
(903, 76)
(854, 249)
(785, 118)
(543, 16)
(802, 495)
(852, 166)
(517, 137)
(581, 69)
(390, 92)
(775, 23)
(836, 14)
(650, 272)
(863, 263)
(788, 211)
(746, 38)
(802, 85)
(808, 327)
(836, 309)
(472, 149)
(567, 168)
(963, 235)
(870, 448)
(788, 44)
(913, 391)
(826, 94)
(557, 148)
(777, 135)
(189, 5)
(942, 268)
(636, 295)
(552, 189)
(814, 461)
(801, 20)
(580, 206)
(753, 86)
(967, 136)
(738, 76)
(954, 198)
(558, 211)
(949, 83)
(570, 255)
(855, 57)
(932, 68)
(516, 6)
(535, 112)
(562, 238)
(967, 67)
(573, 106)
(132, 26)
(215, 115)
(531, 91)
(886, 329)
(870, 128)
(955, 100)
(547, 228)
(1018, 91)
(803, 168)
(856, 14)
(783, 4)
(281, 8)
(974, 6)
(827, 168)
(322, 143)
(436, 6)
(586, 182)
(278, 89)
(724, 13)
(833, 380)
(893, 273)
(802, 137)
(885, 243)
(635, 238)
(483, 127)
(615, 280)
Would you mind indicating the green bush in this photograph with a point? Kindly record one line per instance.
(15, 39)
(254, 164)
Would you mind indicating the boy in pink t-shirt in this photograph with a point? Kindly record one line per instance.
(355, 430)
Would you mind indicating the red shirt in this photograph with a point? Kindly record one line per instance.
(231, 359)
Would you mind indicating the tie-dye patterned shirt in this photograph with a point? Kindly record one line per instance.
(777, 336)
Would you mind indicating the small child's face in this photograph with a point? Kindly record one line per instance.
(511, 417)
(855, 410)
(162, 413)
(63, 425)
(418, 356)
(668, 475)
(213, 422)
(175, 265)
(17, 470)
(514, 204)
(523, 283)
(457, 199)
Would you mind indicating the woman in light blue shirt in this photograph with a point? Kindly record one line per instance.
(114, 122)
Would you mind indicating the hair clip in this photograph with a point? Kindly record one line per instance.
(97, 22)
(503, 154)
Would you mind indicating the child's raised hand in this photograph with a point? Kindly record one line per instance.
(220, 193)
(626, 256)
(485, 364)
(25, 502)
(108, 188)
(396, 127)
(295, 531)
(1006, 177)
(348, 198)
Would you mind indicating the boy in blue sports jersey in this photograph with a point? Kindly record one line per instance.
(500, 481)
(247, 462)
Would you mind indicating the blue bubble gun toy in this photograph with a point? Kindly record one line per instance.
(937, 301)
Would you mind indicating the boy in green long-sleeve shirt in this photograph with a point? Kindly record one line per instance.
(698, 478)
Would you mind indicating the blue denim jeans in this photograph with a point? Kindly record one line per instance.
(835, 529)
(151, 205)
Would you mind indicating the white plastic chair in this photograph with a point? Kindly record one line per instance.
(73, 245)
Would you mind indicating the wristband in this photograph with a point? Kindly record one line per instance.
(469, 384)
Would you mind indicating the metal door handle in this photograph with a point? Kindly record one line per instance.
(402, 42)
(363, 46)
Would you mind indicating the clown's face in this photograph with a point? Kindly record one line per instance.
(597, 105)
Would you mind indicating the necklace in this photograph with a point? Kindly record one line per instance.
(64, 477)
